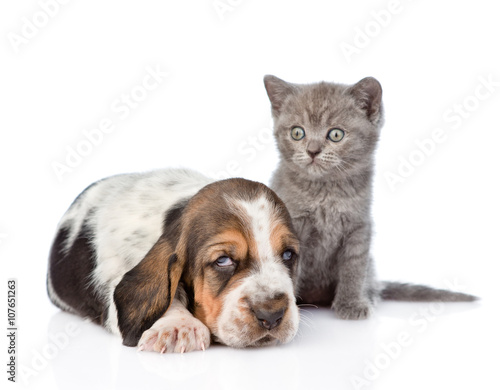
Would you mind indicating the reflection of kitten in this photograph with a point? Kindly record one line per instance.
(327, 134)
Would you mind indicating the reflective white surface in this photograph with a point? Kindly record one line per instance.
(439, 225)
(404, 345)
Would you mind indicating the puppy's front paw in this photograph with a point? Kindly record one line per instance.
(176, 334)
(357, 310)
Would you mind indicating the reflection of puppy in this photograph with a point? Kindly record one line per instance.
(132, 246)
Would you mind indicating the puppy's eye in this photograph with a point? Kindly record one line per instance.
(336, 135)
(298, 133)
(287, 255)
(224, 261)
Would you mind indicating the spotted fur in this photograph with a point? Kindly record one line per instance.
(138, 254)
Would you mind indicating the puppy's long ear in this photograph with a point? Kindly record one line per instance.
(146, 291)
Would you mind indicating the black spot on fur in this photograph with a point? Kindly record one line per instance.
(70, 275)
(190, 297)
(171, 261)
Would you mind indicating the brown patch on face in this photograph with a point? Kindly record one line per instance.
(209, 304)
(274, 303)
(215, 282)
(231, 242)
(246, 317)
(282, 238)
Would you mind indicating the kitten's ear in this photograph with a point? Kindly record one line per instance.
(368, 94)
(277, 90)
(146, 291)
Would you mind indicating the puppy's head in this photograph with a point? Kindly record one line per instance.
(233, 247)
(242, 260)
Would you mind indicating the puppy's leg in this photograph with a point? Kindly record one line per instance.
(176, 331)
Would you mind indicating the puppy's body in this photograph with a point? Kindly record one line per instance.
(108, 230)
(132, 245)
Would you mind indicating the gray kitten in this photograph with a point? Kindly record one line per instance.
(327, 134)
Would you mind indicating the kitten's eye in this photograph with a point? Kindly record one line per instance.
(224, 261)
(298, 133)
(335, 135)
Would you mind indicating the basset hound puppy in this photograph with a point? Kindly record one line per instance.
(171, 260)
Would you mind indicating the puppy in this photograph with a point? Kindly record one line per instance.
(168, 258)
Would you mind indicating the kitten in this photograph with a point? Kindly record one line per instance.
(326, 135)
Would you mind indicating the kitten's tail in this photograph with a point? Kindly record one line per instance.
(394, 291)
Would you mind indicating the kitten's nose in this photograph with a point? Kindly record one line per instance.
(313, 153)
(313, 148)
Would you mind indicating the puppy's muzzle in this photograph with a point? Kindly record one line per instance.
(269, 320)
(269, 314)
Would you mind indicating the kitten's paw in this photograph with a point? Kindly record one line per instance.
(175, 334)
(357, 310)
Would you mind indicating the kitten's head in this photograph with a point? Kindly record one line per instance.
(326, 130)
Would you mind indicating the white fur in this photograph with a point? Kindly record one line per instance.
(261, 216)
(176, 331)
(270, 279)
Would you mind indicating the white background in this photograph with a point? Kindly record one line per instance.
(438, 225)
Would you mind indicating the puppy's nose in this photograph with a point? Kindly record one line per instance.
(269, 319)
